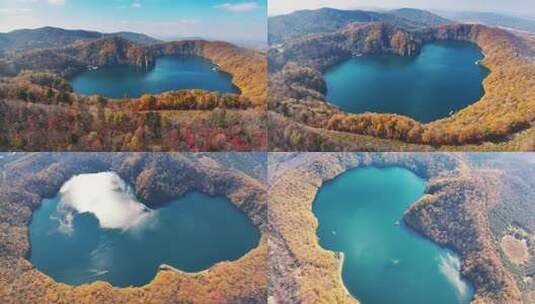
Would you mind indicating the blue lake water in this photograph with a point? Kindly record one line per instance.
(442, 79)
(360, 214)
(169, 73)
(80, 237)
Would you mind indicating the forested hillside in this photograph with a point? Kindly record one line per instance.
(44, 37)
(501, 120)
(157, 179)
(286, 27)
(40, 112)
(468, 206)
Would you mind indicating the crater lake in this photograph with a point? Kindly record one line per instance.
(95, 229)
(444, 78)
(360, 214)
(170, 73)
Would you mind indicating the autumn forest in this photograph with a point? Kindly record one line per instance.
(267, 151)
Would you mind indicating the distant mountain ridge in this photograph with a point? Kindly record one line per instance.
(421, 16)
(53, 37)
(136, 37)
(304, 22)
(495, 19)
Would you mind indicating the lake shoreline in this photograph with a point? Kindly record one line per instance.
(340, 272)
(382, 249)
(77, 226)
(168, 73)
(408, 95)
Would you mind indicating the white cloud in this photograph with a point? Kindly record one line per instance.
(56, 2)
(51, 2)
(238, 7)
(136, 5)
(278, 7)
(188, 21)
(106, 196)
(14, 10)
(450, 266)
(11, 21)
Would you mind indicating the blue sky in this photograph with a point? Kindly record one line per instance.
(521, 7)
(211, 19)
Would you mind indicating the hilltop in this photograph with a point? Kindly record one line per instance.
(518, 23)
(299, 23)
(46, 37)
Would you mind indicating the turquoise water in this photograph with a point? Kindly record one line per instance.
(169, 73)
(191, 233)
(441, 79)
(360, 214)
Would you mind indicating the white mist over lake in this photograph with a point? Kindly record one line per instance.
(106, 196)
(450, 267)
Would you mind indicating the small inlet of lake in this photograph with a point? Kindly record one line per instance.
(360, 214)
(95, 229)
(170, 73)
(444, 78)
